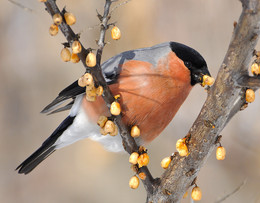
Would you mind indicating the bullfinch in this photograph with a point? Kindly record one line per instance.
(152, 82)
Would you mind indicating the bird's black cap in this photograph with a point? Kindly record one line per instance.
(192, 60)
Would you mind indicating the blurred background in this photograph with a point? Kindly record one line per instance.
(32, 74)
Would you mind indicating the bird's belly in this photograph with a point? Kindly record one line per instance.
(84, 127)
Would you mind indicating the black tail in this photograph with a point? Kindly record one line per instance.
(45, 150)
(34, 160)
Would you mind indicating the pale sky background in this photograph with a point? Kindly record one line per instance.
(32, 74)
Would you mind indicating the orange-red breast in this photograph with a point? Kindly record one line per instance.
(152, 82)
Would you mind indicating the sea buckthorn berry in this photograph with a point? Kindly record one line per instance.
(117, 96)
(185, 194)
(133, 158)
(255, 69)
(196, 193)
(42, 0)
(109, 126)
(74, 58)
(142, 175)
(135, 131)
(54, 29)
(182, 147)
(76, 47)
(57, 18)
(207, 80)
(88, 79)
(65, 54)
(90, 97)
(102, 121)
(134, 182)
(115, 131)
(166, 162)
(115, 33)
(115, 108)
(143, 160)
(69, 18)
(81, 82)
(134, 168)
(220, 153)
(91, 60)
(103, 132)
(250, 95)
(99, 90)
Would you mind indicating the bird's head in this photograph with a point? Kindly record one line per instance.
(193, 61)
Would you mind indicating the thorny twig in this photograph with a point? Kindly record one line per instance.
(128, 141)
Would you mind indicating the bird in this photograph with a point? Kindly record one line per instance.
(152, 82)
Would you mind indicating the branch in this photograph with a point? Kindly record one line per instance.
(128, 141)
(224, 100)
(249, 81)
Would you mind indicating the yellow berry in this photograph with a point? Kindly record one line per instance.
(182, 147)
(143, 160)
(134, 182)
(103, 132)
(255, 69)
(207, 80)
(65, 54)
(99, 90)
(57, 18)
(166, 162)
(91, 94)
(42, 0)
(74, 58)
(54, 29)
(220, 153)
(185, 195)
(70, 18)
(81, 82)
(91, 60)
(115, 132)
(135, 131)
(115, 108)
(133, 158)
(142, 175)
(88, 79)
(117, 96)
(109, 127)
(102, 121)
(196, 193)
(90, 97)
(250, 95)
(115, 33)
(76, 47)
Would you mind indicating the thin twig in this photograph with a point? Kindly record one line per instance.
(128, 141)
(117, 6)
(22, 6)
(233, 192)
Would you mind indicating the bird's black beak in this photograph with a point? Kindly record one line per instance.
(197, 75)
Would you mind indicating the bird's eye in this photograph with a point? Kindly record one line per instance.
(187, 64)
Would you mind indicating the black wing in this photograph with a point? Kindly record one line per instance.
(69, 92)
